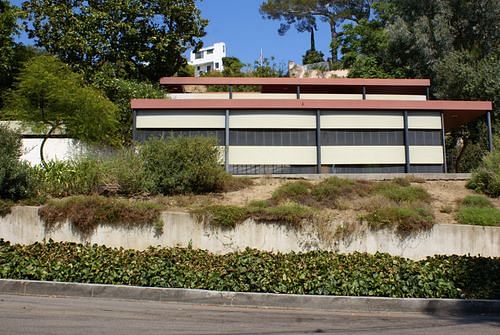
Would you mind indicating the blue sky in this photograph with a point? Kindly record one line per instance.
(239, 24)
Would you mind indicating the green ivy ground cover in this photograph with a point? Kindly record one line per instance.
(316, 272)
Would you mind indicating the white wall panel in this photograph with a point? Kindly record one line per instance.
(424, 120)
(272, 119)
(264, 96)
(406, 97)
(197, 96)
(362, 120)
(426, 155)
(252, 155)
(309, 96)
(363, 155)
(180, 119)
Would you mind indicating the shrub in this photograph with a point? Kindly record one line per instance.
(288, 213)
(329, 190)
(222, 216)
(297, 191)
(81, 176)
(16, 177)
(400, 194)
(481, 216)
(486, 178)
(476, 201)
(406, 220)
(316, 272)
(125, 172)
(85, 213)
(5, 207)
(184, 165)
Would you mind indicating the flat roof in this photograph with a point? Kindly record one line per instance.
(307, 85)
(455, 112)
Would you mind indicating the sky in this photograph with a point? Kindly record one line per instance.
(239, 24)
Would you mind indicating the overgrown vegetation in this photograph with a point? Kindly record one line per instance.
(486, 178)
(85, 213)
(16, 179)
(478, 210)
(392, 204)
(317, 272)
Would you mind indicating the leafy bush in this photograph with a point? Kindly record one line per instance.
(329, 190)
(295, 191)
(5, 207)
(81, 176)
(184, 165)
(486, 178)
(16, 177)
(317, 272)
(86, 213)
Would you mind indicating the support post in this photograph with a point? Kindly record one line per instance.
(230, 91)
(298, 92)
(134, 125)
(318, 141)
(364, 92)
(226, 141)
(443, 140)
(407, 142)
(427, 93)
(490, 132)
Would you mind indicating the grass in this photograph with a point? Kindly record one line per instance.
(406, 220)
(476, 201)
(480, 216)
(400, 193)
(478, 210)
(85, 213)
(222, 216)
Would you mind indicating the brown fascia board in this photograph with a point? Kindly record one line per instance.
(456, 113)
(179, 81)
(440, 105)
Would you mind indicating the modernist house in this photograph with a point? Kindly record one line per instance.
(304, 125)
(208, 59)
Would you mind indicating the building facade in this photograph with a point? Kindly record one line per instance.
(299, 125)
(208, 59)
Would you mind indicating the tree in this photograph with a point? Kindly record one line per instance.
(50, 97)
(232, 67)
(8, 27)
(334, 12)
(141, 39)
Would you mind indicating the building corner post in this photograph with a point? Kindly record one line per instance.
(443, 140)
(407, 142)
(226, 141)
(490, 131)
(318, 141)
(298, 92)
(134, 125)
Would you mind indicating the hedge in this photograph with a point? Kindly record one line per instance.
(315, 272)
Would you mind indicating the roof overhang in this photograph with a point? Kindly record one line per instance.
(307, 85)
(456, 113)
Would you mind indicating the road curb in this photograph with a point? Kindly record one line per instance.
(337, 303)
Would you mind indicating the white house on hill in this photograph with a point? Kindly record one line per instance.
(208, 59)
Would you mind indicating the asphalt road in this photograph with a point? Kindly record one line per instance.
(87, 316)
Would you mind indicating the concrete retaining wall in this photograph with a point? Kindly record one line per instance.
(23, 226)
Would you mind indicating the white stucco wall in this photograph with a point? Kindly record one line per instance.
(55, 149)
(23, 226)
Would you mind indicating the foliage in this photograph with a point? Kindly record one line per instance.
(85, 213)
(5, 207)
(183, 165)
(221, 215)
(303, 13)
(141, 40)
(120, 92)
(8, 27)
(402, 194)
(48, 95)
(481, 216)
(316, 272)
(406, 220)
(476, 201)
(312, 56)
(16, 179)
(486, 178)
(478, 210)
